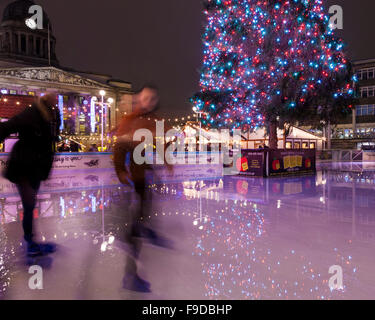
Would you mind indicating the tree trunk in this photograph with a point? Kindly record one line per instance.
(329, 135)
(273, 134)
(284, 138)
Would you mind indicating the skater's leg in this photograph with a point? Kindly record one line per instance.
(28, 192)
(138, 173)
(144, 210)
(131, 280)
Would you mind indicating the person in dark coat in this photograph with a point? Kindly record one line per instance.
(32, 156)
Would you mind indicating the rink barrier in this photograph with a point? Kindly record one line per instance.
(74, 161)
(72, 171)
(98, 160)
(257, 163)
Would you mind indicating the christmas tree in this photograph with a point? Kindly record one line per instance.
(227, 94)
(267, 63)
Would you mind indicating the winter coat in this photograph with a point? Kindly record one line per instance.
(125, 143)
(32, 156)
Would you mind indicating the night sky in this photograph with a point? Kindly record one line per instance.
(160, 41)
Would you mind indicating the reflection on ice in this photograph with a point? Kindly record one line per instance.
(225, 247)
(235, 237)
(240, 259)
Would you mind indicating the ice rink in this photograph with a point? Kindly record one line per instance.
(233, 237)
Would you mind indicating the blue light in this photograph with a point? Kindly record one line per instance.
(61, 109)
(92, 115)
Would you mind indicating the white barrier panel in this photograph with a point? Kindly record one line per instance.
(198, 165)
(368, 156)
(81, 161)
(75, 161)
(182, 173)
(73, 171)
(7, 188)
(80, 180)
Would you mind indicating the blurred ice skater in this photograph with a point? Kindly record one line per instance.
(145, 103)
(32, 156)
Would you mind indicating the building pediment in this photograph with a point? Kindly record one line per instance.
(50, 75)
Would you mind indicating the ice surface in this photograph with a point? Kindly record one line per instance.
(234, 237)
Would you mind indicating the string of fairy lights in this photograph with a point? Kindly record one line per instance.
(263, 59)
(178, 123)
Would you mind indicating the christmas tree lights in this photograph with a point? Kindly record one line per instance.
(268, 61)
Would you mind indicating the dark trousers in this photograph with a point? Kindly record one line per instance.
(138, 173)
(28, 192)
(138, 176)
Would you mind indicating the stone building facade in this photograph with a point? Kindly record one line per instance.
(29, 66)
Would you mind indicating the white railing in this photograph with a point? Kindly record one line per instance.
(340, 155)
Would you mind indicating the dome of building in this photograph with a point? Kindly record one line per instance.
(19, 11)
(21, 44)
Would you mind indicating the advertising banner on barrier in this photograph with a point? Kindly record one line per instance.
(251, 163)
(81, 161)
(75, 170)
(187, 172)
(75, 161)
(288, 162)
(197, 165)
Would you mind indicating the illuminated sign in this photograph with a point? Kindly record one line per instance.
(92, 114)
(61, 108)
